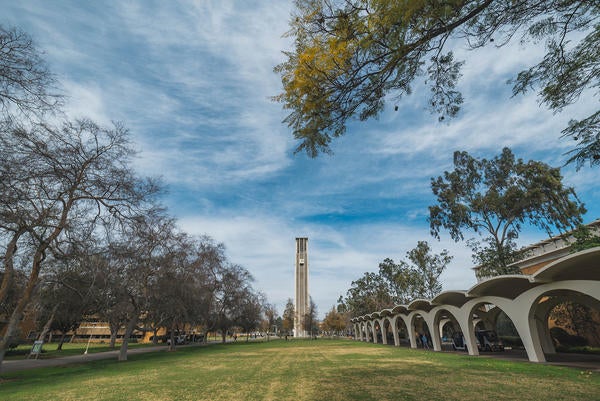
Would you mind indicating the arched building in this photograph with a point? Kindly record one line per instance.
(526, 300)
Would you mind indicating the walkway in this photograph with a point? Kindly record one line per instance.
(26, 364)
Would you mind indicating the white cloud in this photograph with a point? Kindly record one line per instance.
(264, 244)
(192, 80)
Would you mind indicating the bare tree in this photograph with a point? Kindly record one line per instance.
(233, 289)
(310, 319)
(56, 178)
(26, 85)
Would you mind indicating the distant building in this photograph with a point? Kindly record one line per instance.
(301, 299)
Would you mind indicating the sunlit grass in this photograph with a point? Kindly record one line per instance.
(303, 370)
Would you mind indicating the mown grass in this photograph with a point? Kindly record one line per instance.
(302, 370)
(50, 350)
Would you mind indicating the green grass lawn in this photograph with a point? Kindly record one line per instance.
(50, 350)
(302, 370)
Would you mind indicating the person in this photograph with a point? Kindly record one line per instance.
(425, 341)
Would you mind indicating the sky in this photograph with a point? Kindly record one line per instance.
(193, 82)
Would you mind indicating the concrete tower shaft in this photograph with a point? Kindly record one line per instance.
(301, 295)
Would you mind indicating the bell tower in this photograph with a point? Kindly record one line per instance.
(301, 295)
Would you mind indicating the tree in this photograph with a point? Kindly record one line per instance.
(231, 295)
(26, 85)
(397, 283)
(369, 293)
(584, 239)
(334, 322)
(426, 269)
(288, 316)
(57, 180)
(310, 319)
(68, 292)
(400, 279)
(496, 198)
(350, 56)
(138, 252)
(271, 317)
(250, 313)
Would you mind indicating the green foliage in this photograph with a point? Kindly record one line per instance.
(350, 55)
(398, 283)
(334, 321)
(584, 239)
(496, 198)
(369, 293)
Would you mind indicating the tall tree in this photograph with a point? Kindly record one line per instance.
(401, 280)
(350, 56)
(416, 278)
(250, 312)
(369, 293)
(397, 283)
(496, 198)
(427, 268)
(57, 179)
(234, 287)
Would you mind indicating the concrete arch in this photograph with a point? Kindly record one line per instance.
(369, 331)
(449, 313)
(400, 320)
(510, 308)
(518, 296)
(387, 330)
(424, 327)
(538, 327)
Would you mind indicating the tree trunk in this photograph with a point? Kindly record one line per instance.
(224, 336)
(114, 330)
(38, 258)
(128, 330)
(154, 338)
(62, 340)
(172, 337)
(46, 328)
(17, 315)
(11, 248)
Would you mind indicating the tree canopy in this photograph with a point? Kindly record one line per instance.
(495, 198)
(398, 283)
(350, 55)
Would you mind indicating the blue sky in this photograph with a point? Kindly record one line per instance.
(192, 81)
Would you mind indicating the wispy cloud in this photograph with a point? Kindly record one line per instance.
(193, 80)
